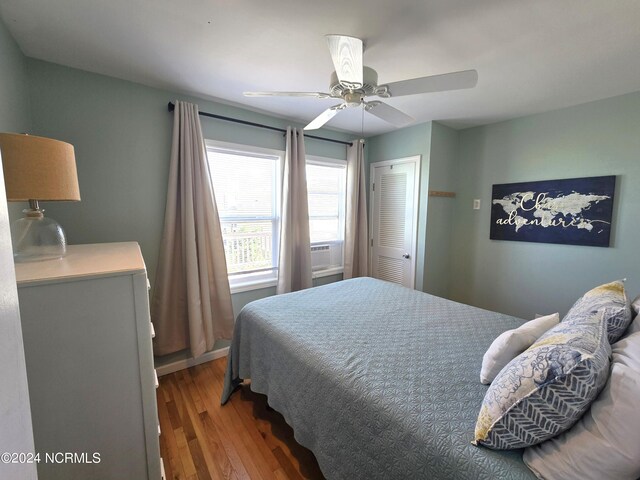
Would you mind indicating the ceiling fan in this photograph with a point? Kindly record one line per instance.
(353, 83)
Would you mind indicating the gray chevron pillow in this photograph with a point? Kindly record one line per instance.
(610, 298)
(546, 389)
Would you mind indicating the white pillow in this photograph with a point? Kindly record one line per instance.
(634, 327)
(635, 324)
(635, 305)
(512, 343)
(605, 443)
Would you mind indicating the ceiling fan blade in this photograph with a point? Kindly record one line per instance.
(388, 113)
(434, 83)
(324, 117)
(346, 53)
(287, 94)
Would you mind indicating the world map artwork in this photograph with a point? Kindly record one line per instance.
(570, 211)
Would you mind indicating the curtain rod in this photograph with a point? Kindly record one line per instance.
(172, 107)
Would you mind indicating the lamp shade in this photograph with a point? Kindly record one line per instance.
(38, 168)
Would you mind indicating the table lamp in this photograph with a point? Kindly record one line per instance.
(38, 169)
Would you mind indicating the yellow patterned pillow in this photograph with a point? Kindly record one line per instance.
(611, 299)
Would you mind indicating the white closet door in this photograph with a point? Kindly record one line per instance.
(394, 213)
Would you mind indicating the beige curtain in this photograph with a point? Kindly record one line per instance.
(191, 305)
(294, 261)
(356, 245)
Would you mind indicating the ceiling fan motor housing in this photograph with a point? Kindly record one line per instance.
(354, 96)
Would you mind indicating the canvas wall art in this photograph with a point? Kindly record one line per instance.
(575, 211)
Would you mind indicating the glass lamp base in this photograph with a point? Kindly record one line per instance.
(36, 238)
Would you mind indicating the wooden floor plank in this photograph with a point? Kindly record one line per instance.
(228, 460)
(242, 440)
(229, 421)
(274, 431)
(287, 466)
(199, 448)
(217, 451)
(174, 416)
(211, 441)
(193, 391)
(163, 391)
(168, 468)
(256, 436)
(185, 454)
(259, 412)
(198, 460)
(168, 446)
(176, 396)
(281, 475)
(238, 456)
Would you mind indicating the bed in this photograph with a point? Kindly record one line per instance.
(379, 381)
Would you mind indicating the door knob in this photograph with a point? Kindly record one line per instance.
(406, 255)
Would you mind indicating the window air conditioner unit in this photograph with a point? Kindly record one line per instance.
(326, 256)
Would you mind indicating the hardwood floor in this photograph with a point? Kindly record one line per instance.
(244, 439)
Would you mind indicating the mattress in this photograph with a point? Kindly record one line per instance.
(379, 381)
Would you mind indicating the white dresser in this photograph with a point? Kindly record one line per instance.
(87, 341)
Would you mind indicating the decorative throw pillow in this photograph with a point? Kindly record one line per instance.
(610, 298)
(512, 343)
(546, 389)
(605, 443)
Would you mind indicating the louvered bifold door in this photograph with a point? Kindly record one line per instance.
(393, 217)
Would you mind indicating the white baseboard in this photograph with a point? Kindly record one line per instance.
(191, 362)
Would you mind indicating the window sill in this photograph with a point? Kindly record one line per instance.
(327, 272)
(261, 284)
(255, 285)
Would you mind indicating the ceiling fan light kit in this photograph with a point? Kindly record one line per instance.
(353, 83)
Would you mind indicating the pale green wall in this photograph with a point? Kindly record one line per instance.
(415, 140)
(598, 138)
(437, 146)
(14, 94)
(440, 210)
(121, 132)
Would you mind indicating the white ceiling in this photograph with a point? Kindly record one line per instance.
(531, 55)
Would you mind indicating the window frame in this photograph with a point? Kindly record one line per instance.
(335, 163)
(246, 281)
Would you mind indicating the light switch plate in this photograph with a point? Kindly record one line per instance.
(476, 204)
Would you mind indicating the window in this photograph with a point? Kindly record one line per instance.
(246, 185)
(326, 184)
(246, 182)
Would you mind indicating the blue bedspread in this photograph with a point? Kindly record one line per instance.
(379, 381)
